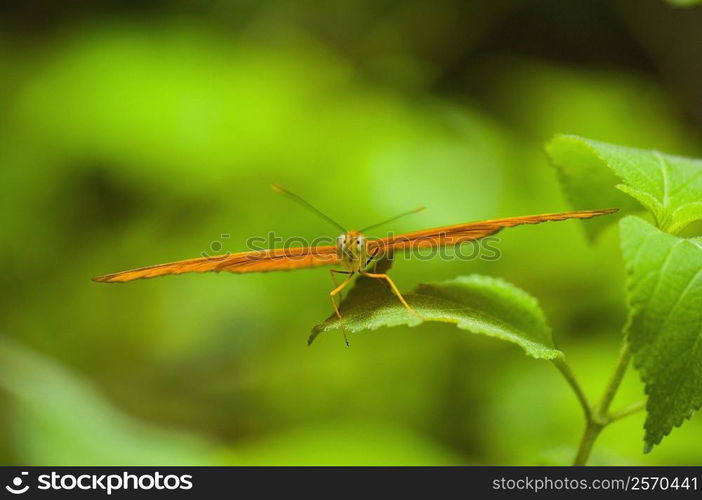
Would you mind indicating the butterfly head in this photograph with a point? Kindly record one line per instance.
(351, 247)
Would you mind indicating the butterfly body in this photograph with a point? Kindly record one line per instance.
(352, 250)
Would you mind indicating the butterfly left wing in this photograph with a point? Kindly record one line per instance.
(459, 233)
(283, 259)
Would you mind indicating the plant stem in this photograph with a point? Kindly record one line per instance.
(573, 382)
(616, 380)
(592, 430)
(599, 416)
(626, 411)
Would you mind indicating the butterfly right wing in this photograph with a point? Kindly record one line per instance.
(459, 233)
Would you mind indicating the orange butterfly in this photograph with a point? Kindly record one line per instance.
(352, 250)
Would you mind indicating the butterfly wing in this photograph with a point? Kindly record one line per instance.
(283, 259)
(459, 233)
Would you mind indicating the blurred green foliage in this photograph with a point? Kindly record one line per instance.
(685, 3)
(135, 136)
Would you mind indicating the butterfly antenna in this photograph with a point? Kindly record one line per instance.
(415, 211)
(279, 189)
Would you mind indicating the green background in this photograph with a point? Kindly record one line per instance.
(133, 136)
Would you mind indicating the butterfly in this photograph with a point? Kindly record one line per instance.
(353, 251)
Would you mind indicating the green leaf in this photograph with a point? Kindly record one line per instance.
(479, 304)
(664, 330)
(670, 187)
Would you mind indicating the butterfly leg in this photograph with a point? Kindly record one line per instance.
(370, 259)
(335, 292)
(396, 291)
